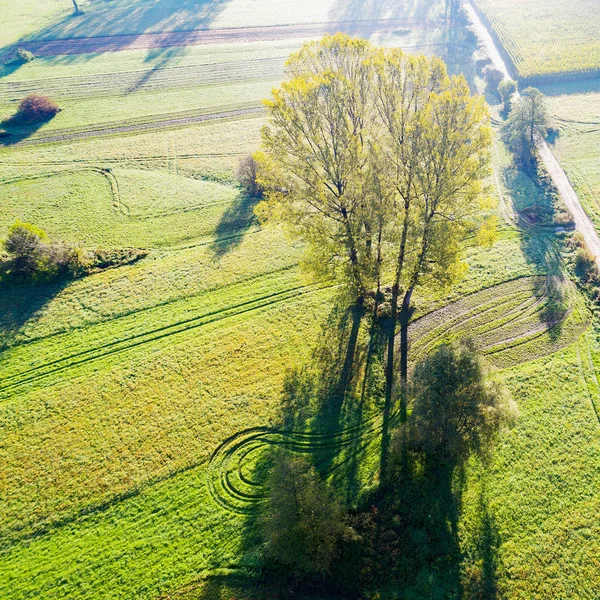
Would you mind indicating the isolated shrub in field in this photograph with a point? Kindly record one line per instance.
(24, 56)
(25, 245)
(493, 77)
(303, 522)
(105, 258)
(247, 173)
(36, 108)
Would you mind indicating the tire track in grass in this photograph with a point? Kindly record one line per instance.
(12, 382)
(125, 82)
(514, 312)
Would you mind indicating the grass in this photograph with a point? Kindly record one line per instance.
(574, 110)
(119, 391)
(546, 37)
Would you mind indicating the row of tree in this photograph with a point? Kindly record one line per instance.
(377, 159)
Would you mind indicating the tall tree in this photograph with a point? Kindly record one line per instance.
(437, 144)
(528, 118)
(76, 8)
(377, 159)
(314, 156)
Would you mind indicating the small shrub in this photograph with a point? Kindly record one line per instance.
(36, 108)
(24, 56)
(25, 246)
(492, 77)
(585, 264)
(247, 173)
(106, 258)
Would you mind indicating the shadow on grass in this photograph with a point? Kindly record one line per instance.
(17, 130)
(21, 303)
(233, 225)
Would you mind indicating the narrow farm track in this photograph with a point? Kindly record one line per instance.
(108, 129)
(153, 79)
(513, 322)
(12, 382)
(216, 36)
(582, 221)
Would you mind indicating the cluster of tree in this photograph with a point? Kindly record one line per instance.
(30, 256)
(376, 158)
(457, 408)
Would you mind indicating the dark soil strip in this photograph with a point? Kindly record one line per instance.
(212, 36)
(112, 129)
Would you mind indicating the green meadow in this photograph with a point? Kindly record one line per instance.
(124, 394)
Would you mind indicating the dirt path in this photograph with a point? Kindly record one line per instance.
(214, 36)
(582, 222)
(115, 129)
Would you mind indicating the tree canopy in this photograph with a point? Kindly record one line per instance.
(456, 406)
(376, 158)
(528, 118)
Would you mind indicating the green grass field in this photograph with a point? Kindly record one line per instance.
(546, 37)
(120, 392)
(576, 116)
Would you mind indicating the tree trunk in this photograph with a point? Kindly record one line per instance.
(77, 11)
(404, 319)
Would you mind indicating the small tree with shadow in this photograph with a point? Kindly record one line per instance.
(35, 107)
(303, 522)
(456, 407)
(247, 172)
(506, 90)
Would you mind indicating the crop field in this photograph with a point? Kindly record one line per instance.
(546, 37)
(137, 404)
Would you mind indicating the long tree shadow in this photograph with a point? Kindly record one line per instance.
(16, 130)
(116, 25)
(234, 223)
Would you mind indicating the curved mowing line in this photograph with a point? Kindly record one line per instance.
(231, 489)
(507, 312)
(122, 345)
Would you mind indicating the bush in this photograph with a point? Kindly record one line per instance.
(31, 257)
(456, 407)
(36, 108)
(25, 246)
(24, 56)
(585, 265)
(303, 522)
(492, 77)
(247, 173)
(506, 89)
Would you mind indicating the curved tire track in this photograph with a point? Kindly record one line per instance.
(514, 317)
